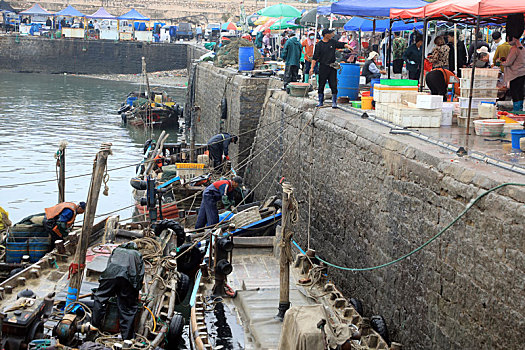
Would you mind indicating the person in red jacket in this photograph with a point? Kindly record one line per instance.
(219, 190)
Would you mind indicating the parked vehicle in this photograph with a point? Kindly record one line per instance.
(212, 31)
(185, 31)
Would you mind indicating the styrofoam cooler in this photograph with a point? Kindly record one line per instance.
(429, 101)
(446, 114)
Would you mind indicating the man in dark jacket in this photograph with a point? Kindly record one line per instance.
(476, 45)
(291, 55)
(325, 54)
(122, 278)
(219, 190)
(412, 57)
(462, 54)
(218, 146)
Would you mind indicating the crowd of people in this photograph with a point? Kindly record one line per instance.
(300, 57)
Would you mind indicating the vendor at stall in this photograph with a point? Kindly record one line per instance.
(483, 58)
(515, 72)
(437, 81)
(370, 70)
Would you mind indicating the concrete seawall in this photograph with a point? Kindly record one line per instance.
(35, 54)
(376, 196)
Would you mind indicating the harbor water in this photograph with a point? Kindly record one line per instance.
(37, 112)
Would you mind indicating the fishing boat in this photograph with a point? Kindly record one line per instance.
(157, 110)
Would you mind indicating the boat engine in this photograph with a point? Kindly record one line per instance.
(21, 323)
(65, 329)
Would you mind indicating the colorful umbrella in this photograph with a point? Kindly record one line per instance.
(228, 26)
(285, 23)
(269, 23)
(280, 10)
(251, 19)
(261, 20)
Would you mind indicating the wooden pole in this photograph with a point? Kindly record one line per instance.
(284, 291)
(423, 49)
(475, 59)
(87, 226)
(62, 172)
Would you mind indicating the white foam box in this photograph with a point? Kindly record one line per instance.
(479, 93)
(479, 83)
(429, 101)
(463, 101)
(415, 117)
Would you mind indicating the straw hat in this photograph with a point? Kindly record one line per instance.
(482, 49)
(372, 55)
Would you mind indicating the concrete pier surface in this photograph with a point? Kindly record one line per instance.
(374, 196)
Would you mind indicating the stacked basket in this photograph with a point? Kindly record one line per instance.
(484, 90)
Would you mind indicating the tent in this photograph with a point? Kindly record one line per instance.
(36, 10)
(70, 11)
(6, 7)
(366, 25)
(134, 15)
(101, 13)
(375, 8)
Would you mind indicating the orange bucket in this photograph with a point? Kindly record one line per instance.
(366, 102)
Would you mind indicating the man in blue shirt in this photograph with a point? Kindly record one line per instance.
(59, 219)
(219, 190)
(218, 146)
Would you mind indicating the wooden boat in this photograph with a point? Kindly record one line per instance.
(155, 110)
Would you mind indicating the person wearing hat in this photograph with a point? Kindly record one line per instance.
(219, 190)
(370, 70)
(483, 58)
(515, 71)
(218, 147)
(59, 219)
(324, 53)
(477, 45)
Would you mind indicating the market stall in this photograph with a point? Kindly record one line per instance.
(105, 23)
(71, 32)
(37, 19)
(127, 24)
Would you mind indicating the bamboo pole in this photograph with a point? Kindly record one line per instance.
(87, 226)
(472, 81)
(61, 161)
(284, 276)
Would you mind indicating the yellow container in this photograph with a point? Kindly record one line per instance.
(190, 165)
(169, 104)
(366, 102)
(158, 98)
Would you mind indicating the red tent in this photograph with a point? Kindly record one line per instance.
(448, 8)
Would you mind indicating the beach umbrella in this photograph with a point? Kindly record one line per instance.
(252, 18)
(269, 23)
(261, 20)
(280, 10)
(285, 23)
(228, 26)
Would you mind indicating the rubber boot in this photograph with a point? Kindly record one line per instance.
(516, 106)
(520, 105)
(321, 100)
(306, 78)
(334, 101)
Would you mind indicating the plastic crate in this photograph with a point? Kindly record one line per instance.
(473, 113)
(480, 93)
(481, 72)
(429, 101)
(415, 117)
(462, 122)
(399, 82)
(479, 83)
(463, 101)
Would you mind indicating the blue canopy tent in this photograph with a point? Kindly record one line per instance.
(134, 15)
(35, 10)
(367, 25)
(70, 11)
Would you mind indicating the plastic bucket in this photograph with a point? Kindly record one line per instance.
(38, 247)
(516, 135)
(348, 80)
(246, 58)
(372, 83)
(366, 102)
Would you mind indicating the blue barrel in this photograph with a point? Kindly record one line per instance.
(15, 249)
(130, 100)
(38, 247)
(348, 80)
(372, 83)
(246, 58)
(516, 135)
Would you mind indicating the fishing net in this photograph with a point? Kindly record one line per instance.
(228, 54)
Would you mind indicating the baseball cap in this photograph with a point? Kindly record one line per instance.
(327, 31)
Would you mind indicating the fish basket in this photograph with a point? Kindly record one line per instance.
(246, 217)
(489, 127)
(299, 89)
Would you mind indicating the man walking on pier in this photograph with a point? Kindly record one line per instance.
(219, 190)
(292, 56)
(218, 146)
(325, 54)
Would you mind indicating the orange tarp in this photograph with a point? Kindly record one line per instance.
(442, 8)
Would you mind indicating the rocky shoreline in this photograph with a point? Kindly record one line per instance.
(173, 78)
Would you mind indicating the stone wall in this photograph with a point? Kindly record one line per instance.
(376, 196)
(244, 95)
(35, 54)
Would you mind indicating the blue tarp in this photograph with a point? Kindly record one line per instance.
(70, 11)
(101, 13)
(366, 25)
(323, 10)
(134, 15)
(373, 8)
